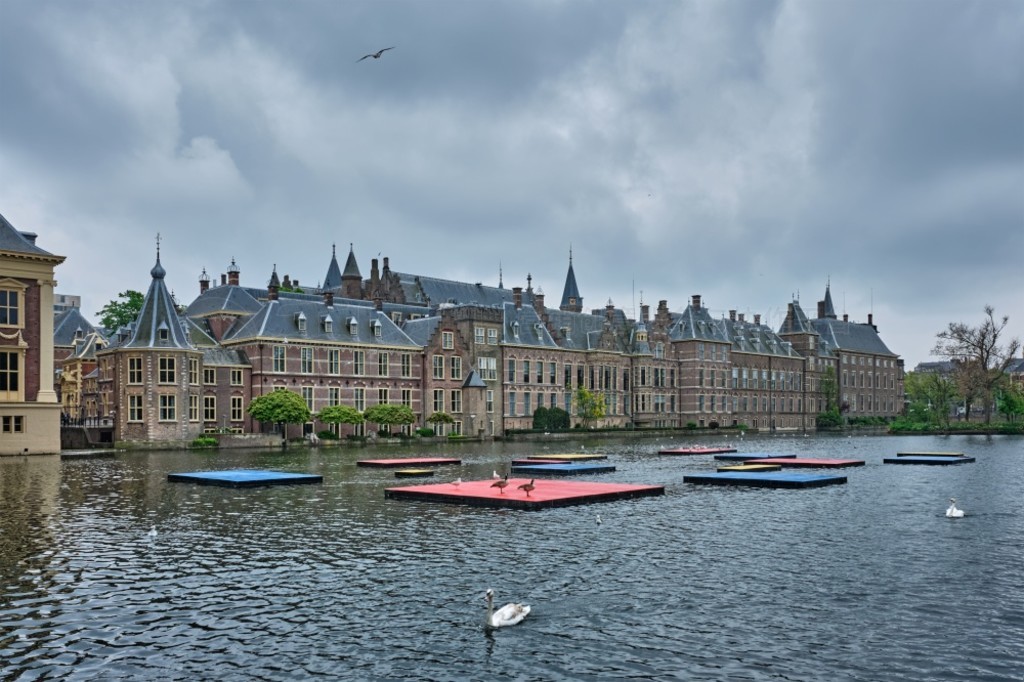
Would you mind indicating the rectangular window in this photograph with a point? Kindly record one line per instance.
(492, 337)
(334, 361)
(358, 362)
(456, 368)
(478, 335)
(334, 396)
(456, 401)
(540, 372)
(437, 362)
(10, 308)
(135, 408)
(407, 397)
(406, 365)
(511, 370)
(209, 376)
(210, 408)
(527, 400)
(382, 364)
(236, 377)
(489, 401)
(193, 408)
(13, 424)
(168, 404)
(511, 403)
(193, 371)
(166, 375)
(279, 363)
(438, 400)
(488, 368)
(447, 340)
(135, 371)
(236, 408)
(568, 375)
(526, 371)
(307, 395)
(306, 360)
(383, 396)
(552, 373)
(359, 399)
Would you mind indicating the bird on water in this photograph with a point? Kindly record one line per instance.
(500, 485)
(375, 55)
(954, 512)
(509, 614)
(528, 487)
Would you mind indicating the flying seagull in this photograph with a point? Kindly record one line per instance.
(375, 55)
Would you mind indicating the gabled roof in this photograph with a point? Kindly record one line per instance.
(158, 324)
(284, 318)
(583, 331)
(12, 240)
(748, 337)
(86, 347)
(697, 324)
(68, 325)
(421, 330)
(422, 289)
(851, 336)
(523, 327)
(796, 321)
(473, 380)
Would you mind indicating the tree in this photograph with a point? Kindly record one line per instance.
(590, 406)
(829, 389)
(119, 313)
(280, 407)
(440, 418)
(341, 414)
(389, 415)
(550, 419)
(980, 360)
(1011, 401)
(931, 396)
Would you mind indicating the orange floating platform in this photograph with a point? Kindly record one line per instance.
(408, 462)
(544, 495)
(695, 451)
(808, 462)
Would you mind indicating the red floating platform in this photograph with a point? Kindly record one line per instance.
(808, 462)
(545, 494)
(408, 462)
(695, 451)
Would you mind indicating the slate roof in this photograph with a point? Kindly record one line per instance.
(851, 336)
(158, 314)
(421, 330)
(523, 327)
(280, 319)
(796, 321)
(571, 290)
(473, 380)
(748, 337)
(13, 240)
(85, 348)
(229, 299)
(223, 357)
(697, 324)
(421, 289)
(67, 323)
(582, 331)
(351, 267)
(332, 280)
(830, 310)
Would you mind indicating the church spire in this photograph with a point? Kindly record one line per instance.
(571, 299)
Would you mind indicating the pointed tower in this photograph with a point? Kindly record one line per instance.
(333, 278)
(158, 324)
(274, 285)
(351, 280)
(572, 302)
(825, 308)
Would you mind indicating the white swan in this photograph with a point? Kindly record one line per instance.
(509, 614)
(152, 532)
(954, 512)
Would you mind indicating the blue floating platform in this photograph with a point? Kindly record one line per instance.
(244, 478)
(560, 469)
(744, 456)
(780, 479)
(935, 460)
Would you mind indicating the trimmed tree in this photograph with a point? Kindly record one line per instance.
(280, 407)
(440, 418)
(341, 414)
(590, 406)
(387, 416)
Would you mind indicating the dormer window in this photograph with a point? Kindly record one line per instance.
(163, 334)
(378, 328)
(300, 319)
(353, 326)
(328, 325)
(515, 329)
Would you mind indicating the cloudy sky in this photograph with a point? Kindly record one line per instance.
(746, 150)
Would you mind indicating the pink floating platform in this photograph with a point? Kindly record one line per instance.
(695, 451)
(408, 462)
(545, 494)
(808, 462)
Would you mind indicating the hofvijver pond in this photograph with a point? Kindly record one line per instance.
(863, 581)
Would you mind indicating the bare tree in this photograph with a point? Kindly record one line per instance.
(979, 359)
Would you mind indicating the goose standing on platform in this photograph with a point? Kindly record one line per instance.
(500, 485)
(509, 614)
(954, 512)
(528, 487)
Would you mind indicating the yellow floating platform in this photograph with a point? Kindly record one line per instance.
(413, 473)
(752, 467)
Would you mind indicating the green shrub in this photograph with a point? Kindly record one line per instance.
(425, 432)
(204, 442)
(327, 435)
(692, 426)
(829, 419)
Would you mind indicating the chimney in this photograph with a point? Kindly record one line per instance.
(374, 272)
(223, 279)
(329, 299)
(387, 268)
(871, 320)
(204, 282)
(517, 297)
(732, 315)
(378, 303)
(645, 312)
(30, 237)
(663, 305)
(538, 303)
(757, 319)
(696, 300)
(846, 318)
(821, 309)
(233, 272)
(741, 317)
